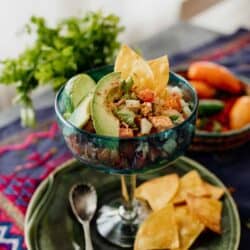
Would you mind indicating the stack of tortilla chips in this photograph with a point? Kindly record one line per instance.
(182, 208)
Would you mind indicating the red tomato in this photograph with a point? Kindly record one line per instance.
(146, 95)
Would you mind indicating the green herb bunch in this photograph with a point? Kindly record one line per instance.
(58, 53)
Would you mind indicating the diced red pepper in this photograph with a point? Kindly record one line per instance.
(146, 95)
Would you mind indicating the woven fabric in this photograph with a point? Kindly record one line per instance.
(28, 156)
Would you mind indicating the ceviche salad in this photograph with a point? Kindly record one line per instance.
(134, 100)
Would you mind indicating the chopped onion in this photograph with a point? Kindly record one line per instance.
(185, 108)
(146, 126)
(174, 91)
(134, 104)
(187, 111)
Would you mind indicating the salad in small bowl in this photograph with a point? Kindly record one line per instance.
(224, 106)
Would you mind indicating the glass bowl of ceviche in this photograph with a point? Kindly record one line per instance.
(127, 119)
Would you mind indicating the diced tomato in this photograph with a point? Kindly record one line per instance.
(146, 95)
(126, 132)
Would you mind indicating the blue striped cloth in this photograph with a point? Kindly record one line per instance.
(233, 51)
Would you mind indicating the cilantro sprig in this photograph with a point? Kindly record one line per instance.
(58, 53)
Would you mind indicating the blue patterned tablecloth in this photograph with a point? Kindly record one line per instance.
(28, 156)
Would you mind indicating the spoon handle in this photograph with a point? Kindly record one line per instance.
(88, 242)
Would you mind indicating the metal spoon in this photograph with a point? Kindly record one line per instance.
(83, 201)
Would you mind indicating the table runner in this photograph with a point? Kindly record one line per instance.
(27, 156)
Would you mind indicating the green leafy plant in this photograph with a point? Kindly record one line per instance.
(58, 53)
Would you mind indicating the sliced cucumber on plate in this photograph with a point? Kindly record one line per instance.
(78, 94)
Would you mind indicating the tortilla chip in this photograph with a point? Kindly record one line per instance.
(125, 61)
(160, 69)
(158, 231)
(189, 227)
(159, 191)
(207, 210)
(214, 191)
(130, 64)
(190, 183)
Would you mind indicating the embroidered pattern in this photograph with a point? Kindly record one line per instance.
(8, 241)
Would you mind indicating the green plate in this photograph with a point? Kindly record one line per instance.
(50, 224)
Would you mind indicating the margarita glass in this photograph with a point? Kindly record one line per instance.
(118, 220)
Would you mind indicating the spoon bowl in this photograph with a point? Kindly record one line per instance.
(83, 201)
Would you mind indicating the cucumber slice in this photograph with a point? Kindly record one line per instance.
(81, 114)
(78, 87)
(209, 107)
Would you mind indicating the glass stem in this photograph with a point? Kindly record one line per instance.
(128, 211)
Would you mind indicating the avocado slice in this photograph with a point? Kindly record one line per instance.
(104, 121)
(81, 114)
(78, 87)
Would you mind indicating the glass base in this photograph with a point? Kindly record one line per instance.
(119, 231)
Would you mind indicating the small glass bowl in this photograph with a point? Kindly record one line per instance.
(129, 155)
